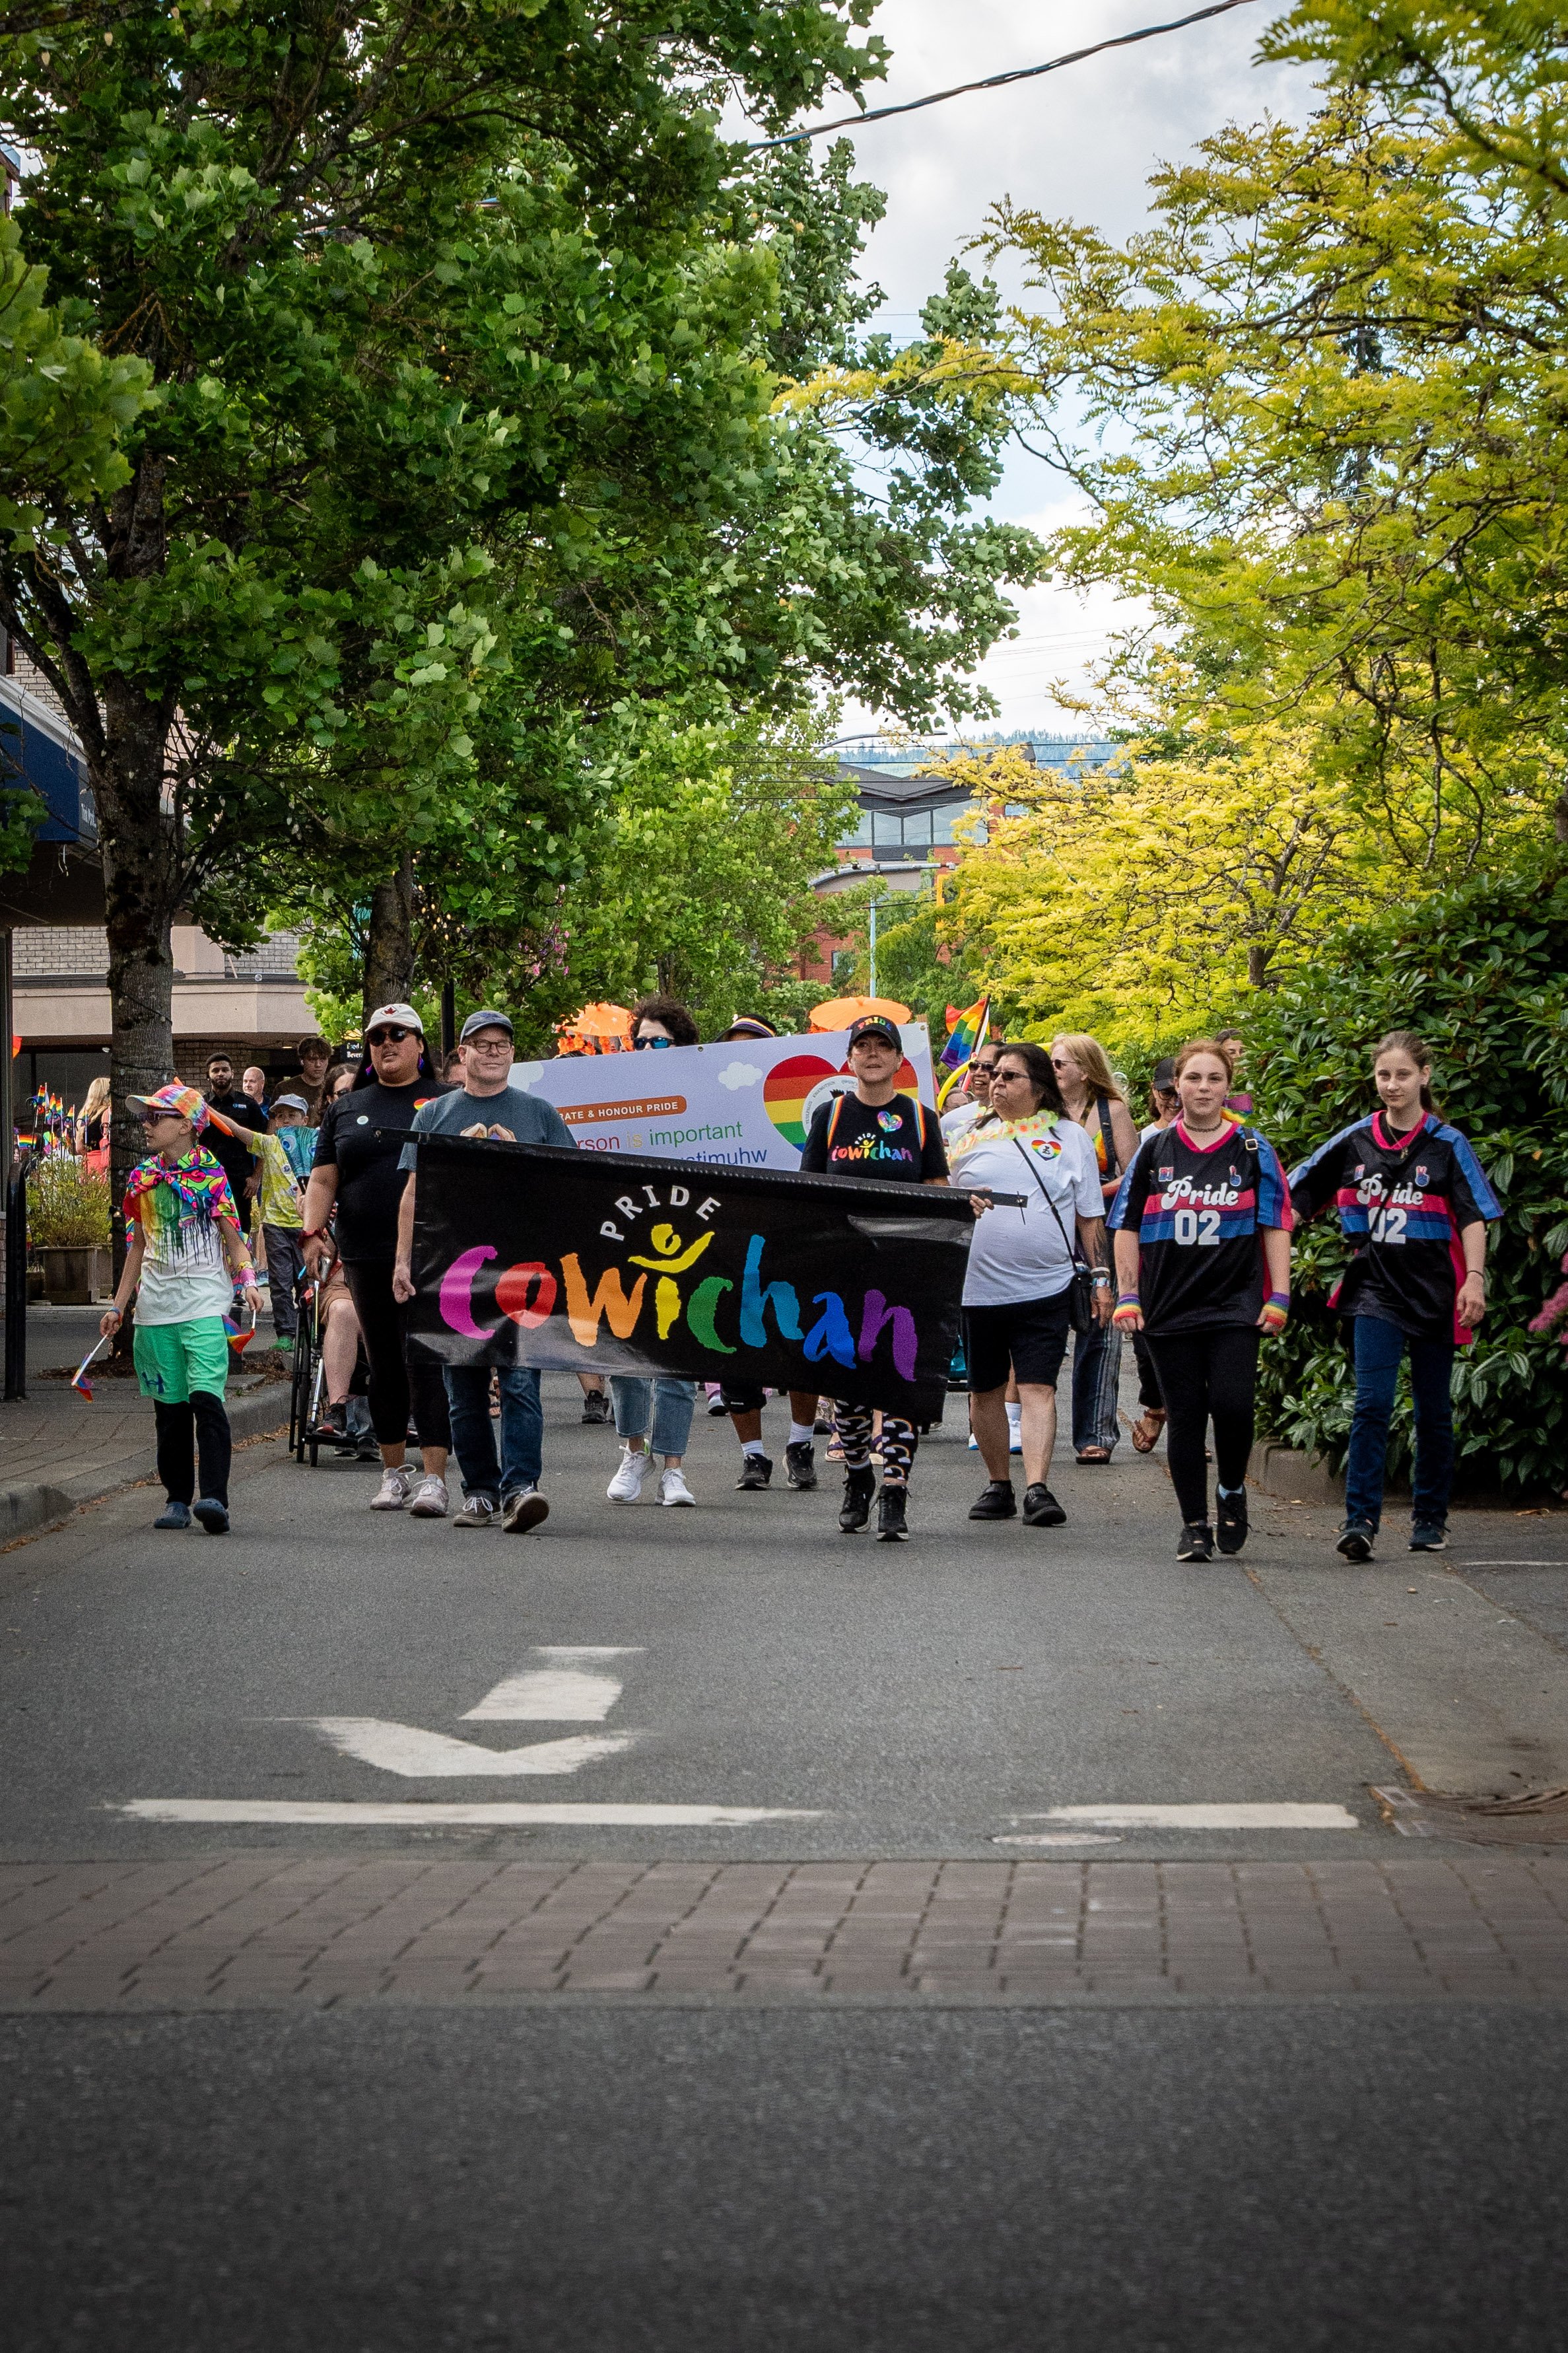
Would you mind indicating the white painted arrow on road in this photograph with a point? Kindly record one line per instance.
(421, 1756)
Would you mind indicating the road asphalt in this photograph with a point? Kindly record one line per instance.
(669, 2169)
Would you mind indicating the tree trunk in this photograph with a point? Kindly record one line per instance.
(1560, 815)
(389, 945)
(1259, 955)
(142, 887)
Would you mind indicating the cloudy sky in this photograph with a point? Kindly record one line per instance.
(1080, 144)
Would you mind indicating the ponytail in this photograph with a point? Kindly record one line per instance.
(1405, 1041)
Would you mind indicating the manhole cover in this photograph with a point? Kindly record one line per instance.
(1536, 1818)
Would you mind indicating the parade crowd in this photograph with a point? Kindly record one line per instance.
(1175, 1236)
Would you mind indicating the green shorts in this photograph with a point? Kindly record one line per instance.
(173, 1359)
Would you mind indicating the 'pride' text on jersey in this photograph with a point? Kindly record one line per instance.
(1197, 1210)
(1404, 1202)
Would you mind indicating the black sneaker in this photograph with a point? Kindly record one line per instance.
(859, 1486)
(332, 1429)
(997, 1501)
(1356, 1540)
(595, 1409)
(893, 1525)
(756, 1470)
(1197, 1540)
(800, 1462)
(1230, 1521)
(1041, 1509)
(1430, 1535)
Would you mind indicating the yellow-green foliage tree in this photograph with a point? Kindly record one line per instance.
(1155, 894)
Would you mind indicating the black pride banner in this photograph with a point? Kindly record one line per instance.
(589, 1262)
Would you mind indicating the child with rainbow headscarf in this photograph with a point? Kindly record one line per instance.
(185, 1253)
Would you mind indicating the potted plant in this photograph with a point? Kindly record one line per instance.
(68, 1226)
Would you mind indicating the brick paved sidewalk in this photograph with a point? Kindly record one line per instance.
(262, 1930)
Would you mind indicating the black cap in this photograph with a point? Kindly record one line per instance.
(875, 1025)
(1164, 1075)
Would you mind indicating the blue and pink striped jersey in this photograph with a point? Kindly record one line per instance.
(1404, 1201)
(1198, 1211)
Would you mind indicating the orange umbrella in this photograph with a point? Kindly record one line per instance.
(596, 1029)
(840, 1011)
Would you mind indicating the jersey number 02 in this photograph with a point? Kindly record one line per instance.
(1201, 1226)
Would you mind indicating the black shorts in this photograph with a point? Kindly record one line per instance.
(1028, 1334)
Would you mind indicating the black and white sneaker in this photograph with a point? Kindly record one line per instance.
(1356, 1540)
(1041, 1509)
(892, 1520)
(756, 1470)
(995, 1500)
(1230, 1520)
(1430, 1535)
(859, 1487)
(800, 1464)
(595, 1408)
(1197, 1540)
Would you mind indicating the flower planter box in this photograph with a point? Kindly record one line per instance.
(76, 1278)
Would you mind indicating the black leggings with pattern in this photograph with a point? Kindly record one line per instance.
(899, 1441)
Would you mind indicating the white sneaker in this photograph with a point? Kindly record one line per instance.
(429, 1499)
(626, 1487)
(1014, 1429)
(974, 1443)
(672, 1487)
(392, 1492)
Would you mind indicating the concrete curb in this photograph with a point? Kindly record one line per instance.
(34, 1504)
(1294, 1476)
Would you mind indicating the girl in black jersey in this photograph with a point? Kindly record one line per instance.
(1202, 1222)
(1415, 1202)
(875, 1132)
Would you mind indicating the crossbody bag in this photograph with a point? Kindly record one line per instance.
(1080, 1290)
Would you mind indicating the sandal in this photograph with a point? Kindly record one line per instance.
(1145, 1432)
(1095, 1455)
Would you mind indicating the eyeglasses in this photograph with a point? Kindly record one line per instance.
(1009, 1078)
(389, 1037)
(638, 1043)
(490, 1046)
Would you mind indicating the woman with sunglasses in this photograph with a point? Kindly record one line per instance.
(356, 1170)
(661, 1021)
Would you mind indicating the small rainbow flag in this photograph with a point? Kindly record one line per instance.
(965, 1034)
(78, 1378)
(238, 1337)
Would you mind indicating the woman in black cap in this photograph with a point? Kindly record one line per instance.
(875, 1132)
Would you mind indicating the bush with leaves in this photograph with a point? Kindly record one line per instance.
(68, 1206)
(1480, 974)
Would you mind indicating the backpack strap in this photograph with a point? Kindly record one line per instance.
(833, 1121)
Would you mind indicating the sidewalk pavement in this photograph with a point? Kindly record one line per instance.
(254, 1931)
(60, 1449)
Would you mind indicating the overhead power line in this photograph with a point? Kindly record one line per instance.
(995, 81)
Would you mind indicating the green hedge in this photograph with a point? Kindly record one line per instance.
(1482, 973)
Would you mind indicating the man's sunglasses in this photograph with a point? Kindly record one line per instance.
(638, 1043)
(390, 1037)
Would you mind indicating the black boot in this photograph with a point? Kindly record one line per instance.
(859, 1486)
(892, 1525)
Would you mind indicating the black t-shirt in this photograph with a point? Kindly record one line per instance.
(233, 1155)
(1198, 1211)
(849, 1138)
(1404, 1201)
(370, 1183)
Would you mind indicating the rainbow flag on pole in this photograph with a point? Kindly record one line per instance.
(965, 1034)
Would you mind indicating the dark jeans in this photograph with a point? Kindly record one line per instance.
(185, 1432)
(285, 1258)
(473, 1431)
(1378, 1349)
(1096, 1377)
(1208, 1375)
(395, 1381)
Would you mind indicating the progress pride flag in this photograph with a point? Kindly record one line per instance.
(525, 1254)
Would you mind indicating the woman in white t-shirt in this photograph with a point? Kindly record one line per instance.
(1018, 1290)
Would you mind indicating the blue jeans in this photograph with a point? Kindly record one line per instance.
(671, 1402)
(1378, 1349)
(473, 1432)
(1096, 1379)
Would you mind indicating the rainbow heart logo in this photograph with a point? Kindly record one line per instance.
(784, 1092)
